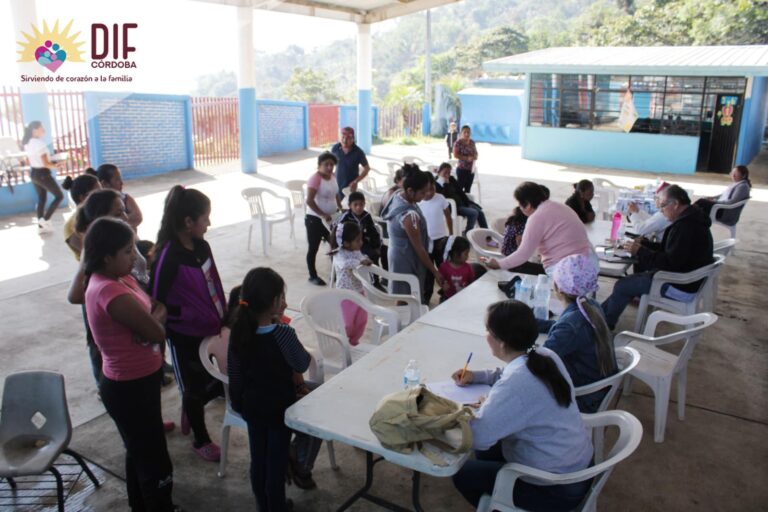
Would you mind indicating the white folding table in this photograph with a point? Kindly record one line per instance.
(465, 311)
(340, 409)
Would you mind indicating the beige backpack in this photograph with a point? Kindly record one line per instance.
(415, 416)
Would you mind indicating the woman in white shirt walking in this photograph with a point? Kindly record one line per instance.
(322, 203)
(530, 416)
(40, 175)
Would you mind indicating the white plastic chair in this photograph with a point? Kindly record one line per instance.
(322, 312)
(298, 191)
(476, 183)
(456, 219)
(477, 239)
(499, 225)
(213, 356)
(718, 207)
(408, 313)
(657, 367)
(702, 300)
(12, 161)
(604, 183)
(261, 215)
(627, 359)
(724, 248)
(630, 434)
(371, 182)
(414, 160)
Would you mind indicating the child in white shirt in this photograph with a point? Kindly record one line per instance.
(348, 257)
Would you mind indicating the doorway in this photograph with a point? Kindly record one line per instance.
(720, 132)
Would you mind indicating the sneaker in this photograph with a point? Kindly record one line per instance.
(209, 451)
(168, 426)
(44, 226)
(184, 424)
(317, 281)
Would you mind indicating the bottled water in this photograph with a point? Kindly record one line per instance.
(412, 375)
(541, 298)
(526, 288)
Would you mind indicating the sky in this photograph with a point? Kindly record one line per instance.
(176, 40)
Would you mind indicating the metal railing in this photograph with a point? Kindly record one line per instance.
(215, 130)
(69, 130)
(399, 121)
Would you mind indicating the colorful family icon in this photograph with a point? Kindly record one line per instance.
(50, 55)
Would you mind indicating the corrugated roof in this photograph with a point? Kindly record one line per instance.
(495, 91)
(358, 11)
(647, 60)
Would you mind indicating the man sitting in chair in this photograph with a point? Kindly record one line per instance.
(686, 246)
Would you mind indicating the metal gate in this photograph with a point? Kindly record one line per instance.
(215, 130)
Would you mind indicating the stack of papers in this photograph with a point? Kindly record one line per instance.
(464, 395)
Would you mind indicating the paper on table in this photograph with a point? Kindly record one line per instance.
(462, 394)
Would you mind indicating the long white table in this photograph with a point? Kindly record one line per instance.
(465, 311)
(340, 409)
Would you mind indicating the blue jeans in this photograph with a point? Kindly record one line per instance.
(473, 214)
(624, 291)
(477, 477)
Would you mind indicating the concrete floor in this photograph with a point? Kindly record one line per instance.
(717, 459)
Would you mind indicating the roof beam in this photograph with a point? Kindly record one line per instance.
(404, 8)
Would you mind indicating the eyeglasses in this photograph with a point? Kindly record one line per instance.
(665, 204)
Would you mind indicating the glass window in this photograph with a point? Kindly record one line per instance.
(683, 104)
(544, 81)
(605, 100)
(685, 84)
(611, 82)
(726, 84)
(647, 83)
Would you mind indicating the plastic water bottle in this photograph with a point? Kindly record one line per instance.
(412, 375)
(541, 297)
(615, 226)
(526, 288)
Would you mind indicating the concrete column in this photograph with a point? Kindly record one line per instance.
(246, 82)
(34, 96)
(364, 135)
(426, 121)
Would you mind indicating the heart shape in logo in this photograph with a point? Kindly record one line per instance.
(50, 55)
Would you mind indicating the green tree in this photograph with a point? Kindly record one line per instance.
(311, 86)
(493, 44)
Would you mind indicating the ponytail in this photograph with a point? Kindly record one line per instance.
(260, 288)
(34, 125)
(513, 323)
(180, 203)
(606, 356)
(547, 371)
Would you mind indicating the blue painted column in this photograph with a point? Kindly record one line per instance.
(364, 135)
(426, 119)
(249, 141)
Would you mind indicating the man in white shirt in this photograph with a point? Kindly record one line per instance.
(437, 212)
(646, 225)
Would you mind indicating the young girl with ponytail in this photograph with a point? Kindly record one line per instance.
(580, 335)
(185, 279)
(263, 359)
(530, 416)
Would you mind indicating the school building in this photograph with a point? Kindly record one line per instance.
(696, 108)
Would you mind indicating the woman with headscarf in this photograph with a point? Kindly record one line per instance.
(580, 336)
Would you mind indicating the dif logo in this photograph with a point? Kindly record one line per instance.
(100, 45)
(52, 47)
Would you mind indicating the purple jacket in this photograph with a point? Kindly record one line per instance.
(179, 282)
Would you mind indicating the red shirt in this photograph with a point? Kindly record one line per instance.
(457, 278)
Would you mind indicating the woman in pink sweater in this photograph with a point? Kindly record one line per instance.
(553, 229)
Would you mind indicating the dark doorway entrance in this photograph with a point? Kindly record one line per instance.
(718, 155)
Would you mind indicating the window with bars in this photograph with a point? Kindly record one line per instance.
(670, 105)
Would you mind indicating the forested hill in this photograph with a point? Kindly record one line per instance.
(469, 32)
